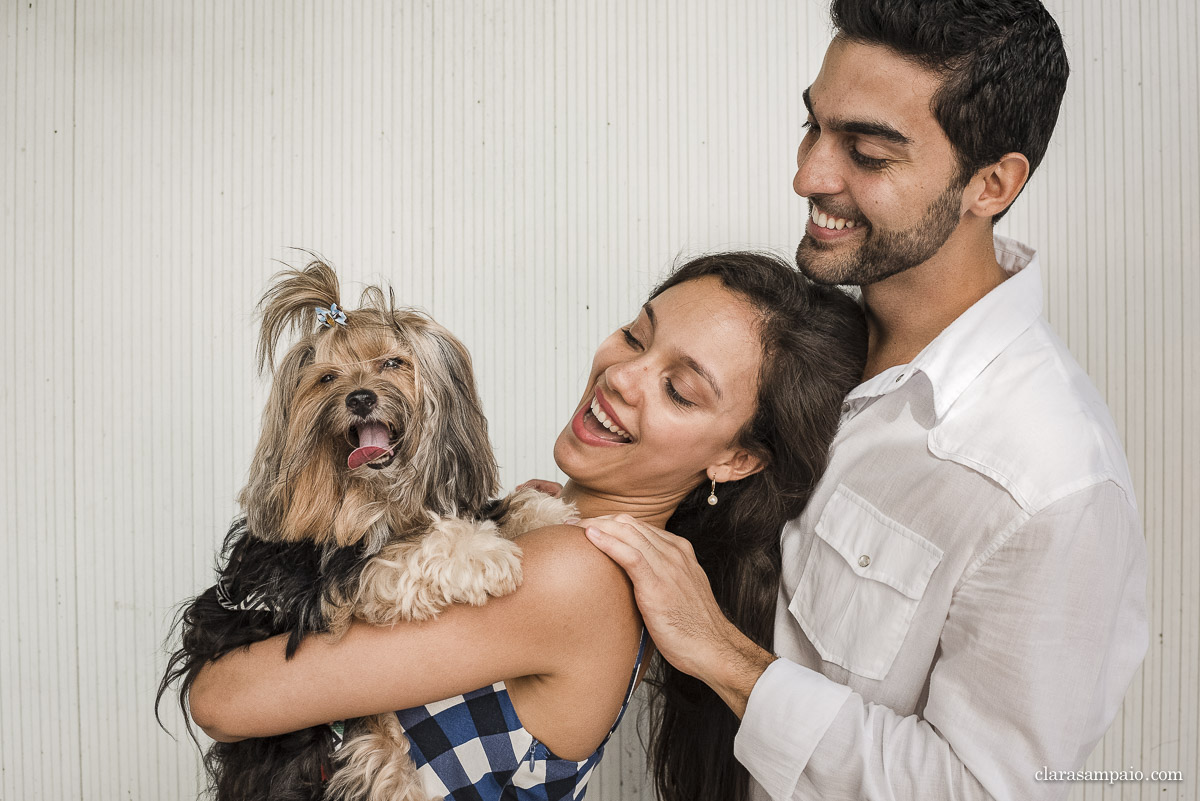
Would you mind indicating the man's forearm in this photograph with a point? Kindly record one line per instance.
(733, 667)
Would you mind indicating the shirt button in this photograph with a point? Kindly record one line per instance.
(864, 561)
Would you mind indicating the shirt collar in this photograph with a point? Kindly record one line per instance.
(969, 344)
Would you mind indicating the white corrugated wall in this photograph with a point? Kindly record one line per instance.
(523, 170)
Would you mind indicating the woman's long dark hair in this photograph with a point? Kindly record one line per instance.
(814, 342)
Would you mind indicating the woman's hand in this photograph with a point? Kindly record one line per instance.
(677, 604)
(551, 488)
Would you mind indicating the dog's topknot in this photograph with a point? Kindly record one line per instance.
(291, 303)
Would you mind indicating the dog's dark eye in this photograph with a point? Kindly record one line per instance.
(325, 379)
(393, 364)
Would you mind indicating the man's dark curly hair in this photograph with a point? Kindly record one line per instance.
(1003, 64)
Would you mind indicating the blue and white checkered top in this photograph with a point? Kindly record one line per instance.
(473, 748)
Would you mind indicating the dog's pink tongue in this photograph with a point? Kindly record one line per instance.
(372, 443)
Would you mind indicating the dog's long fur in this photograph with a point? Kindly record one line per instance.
(319, 542)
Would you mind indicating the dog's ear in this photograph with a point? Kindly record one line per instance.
(292, 302)
(261, 498)
(456, 458)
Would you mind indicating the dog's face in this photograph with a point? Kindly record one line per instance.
(372, 425)
(358, 393)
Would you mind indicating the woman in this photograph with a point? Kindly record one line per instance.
(710, 414)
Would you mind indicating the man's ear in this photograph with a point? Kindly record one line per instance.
(740, 464)
(993, 188)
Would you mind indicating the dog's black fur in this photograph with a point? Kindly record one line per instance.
(290, 580)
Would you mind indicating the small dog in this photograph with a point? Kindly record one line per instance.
(369, 495)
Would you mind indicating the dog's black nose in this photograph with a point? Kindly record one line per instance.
(361, 402)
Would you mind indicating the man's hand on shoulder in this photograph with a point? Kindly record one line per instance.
(677, 604)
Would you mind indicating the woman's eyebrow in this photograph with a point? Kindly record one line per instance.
(707, 376)
(683, 357)
(649, 310)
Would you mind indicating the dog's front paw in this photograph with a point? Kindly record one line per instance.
(468, 561)
(529, 509)
(457, 561)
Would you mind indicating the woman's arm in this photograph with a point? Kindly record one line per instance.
(573, 598)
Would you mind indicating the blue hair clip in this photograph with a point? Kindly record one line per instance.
(327, 317)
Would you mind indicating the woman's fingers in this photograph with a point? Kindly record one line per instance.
(550, 488)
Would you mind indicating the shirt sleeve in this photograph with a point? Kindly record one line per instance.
(787, 715)
(1039, 646)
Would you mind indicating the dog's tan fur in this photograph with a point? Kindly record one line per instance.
(302, 489)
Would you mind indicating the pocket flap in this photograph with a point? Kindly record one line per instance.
(877, 547)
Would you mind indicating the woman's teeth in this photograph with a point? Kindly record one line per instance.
(832, 223)
(599, 414)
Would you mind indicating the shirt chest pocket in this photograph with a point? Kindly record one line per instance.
(862, 584)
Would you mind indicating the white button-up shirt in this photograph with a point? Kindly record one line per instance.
(963, 600)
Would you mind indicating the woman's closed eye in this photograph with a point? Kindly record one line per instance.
(674, 395)
(668, 385)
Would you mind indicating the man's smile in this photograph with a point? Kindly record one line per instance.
(826, 227)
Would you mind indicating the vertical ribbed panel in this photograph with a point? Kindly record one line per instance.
(40, 702)
(524, 171)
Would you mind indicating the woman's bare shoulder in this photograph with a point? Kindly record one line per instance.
(587, 610)
(561, 563)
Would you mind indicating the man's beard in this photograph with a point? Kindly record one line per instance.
(883, 254)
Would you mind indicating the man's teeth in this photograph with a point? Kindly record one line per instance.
(599, 414)
(832, 223)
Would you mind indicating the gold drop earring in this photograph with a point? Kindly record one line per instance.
(712, 494)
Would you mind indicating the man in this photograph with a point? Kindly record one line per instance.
(962, 602)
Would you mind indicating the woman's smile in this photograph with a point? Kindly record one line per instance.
(598, 424)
